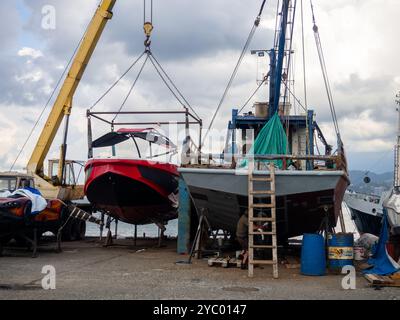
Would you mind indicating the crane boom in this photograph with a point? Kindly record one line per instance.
(63, 103)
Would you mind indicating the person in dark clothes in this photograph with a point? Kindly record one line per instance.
(242, 231)
(242, 235)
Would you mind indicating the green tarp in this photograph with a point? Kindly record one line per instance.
(270, 140)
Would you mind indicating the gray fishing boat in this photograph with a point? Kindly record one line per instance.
(309, 187)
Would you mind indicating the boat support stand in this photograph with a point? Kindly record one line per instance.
(196, 246)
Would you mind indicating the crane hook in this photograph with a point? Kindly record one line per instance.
(148, 28)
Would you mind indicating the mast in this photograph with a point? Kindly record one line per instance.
(276, 64)
(396, 181)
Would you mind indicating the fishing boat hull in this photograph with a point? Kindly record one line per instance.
(366, 211)
(133, 191)
(303, 198)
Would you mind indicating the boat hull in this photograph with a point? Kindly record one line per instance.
(133, 191)
(301, 197)
(366, 212)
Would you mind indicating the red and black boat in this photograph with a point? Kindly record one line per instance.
(135, 191)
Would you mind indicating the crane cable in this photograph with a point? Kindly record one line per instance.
(235, 70)
(132, 87)
(158, 68)
(117, 81)
(325, 76)
(148, 28)
(147, 24)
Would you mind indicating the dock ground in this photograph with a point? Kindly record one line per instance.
(87, 270)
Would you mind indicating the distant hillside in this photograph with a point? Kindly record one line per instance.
(378, 183)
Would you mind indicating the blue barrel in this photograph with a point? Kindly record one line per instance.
(313, 259)
(340, 250)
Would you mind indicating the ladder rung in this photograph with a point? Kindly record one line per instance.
(262, 246)
(261, 219)
(262, 262)
(261, 179)
(267, 233)
(262, 205)
(262, 192)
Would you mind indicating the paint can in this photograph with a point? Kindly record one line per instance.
(340, 250)
(359, 253)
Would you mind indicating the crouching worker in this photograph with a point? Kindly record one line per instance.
(242, 236)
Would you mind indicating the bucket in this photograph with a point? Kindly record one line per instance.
(359, 253)
(340, 250)
(261, 109)
(313, 262)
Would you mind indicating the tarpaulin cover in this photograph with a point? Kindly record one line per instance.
(382, 263)
(38, 202)
(270, 140)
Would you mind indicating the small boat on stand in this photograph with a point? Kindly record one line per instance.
(142, 189)
(136, 191)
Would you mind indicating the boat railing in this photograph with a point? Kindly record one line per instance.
(289, 162)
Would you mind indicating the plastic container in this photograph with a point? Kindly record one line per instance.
(313, 259)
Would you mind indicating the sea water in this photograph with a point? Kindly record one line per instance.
(151, 230)
(125, 230)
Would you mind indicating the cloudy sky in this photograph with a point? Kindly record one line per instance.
(198, 43)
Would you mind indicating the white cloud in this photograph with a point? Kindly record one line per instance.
(30, 52)
(30, 76)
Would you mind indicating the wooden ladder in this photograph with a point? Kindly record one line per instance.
(266, 193)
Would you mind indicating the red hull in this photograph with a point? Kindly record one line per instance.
(133, 191)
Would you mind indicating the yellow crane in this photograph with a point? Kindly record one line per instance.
(52, 187)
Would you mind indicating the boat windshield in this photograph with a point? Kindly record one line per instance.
(149, 134)
(8, 183)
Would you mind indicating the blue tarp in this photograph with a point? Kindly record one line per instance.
(382, 263)
(270, 140)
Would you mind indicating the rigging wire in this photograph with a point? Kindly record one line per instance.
(235, 70)
(118, 80)
(152, 57)
(50, 97)
(294, 97)
(325, 75)
(132, 87)
(308, 151)
(289, 55)
(166, 82)
(254, 93)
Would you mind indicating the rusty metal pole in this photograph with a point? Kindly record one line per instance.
(90, 135)
(135, 238)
